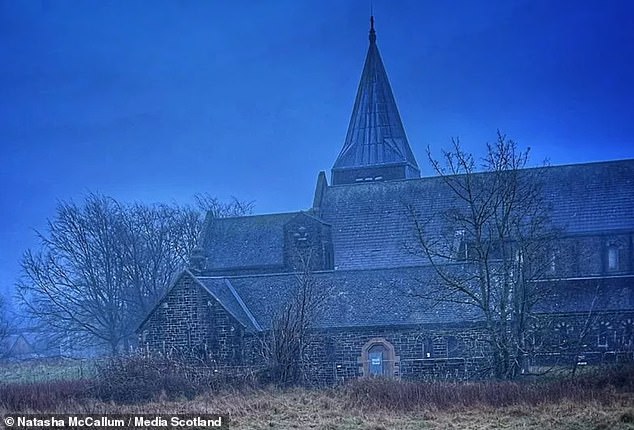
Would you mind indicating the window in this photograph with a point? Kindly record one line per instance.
(460, 251)
(605, 329)
(453, 349)
(428, 348)
(329, 348)
(439, 346)
(563, 331)
(301, 236)
(329, 258)
(627, 334)
(613, 257)
(553, 261)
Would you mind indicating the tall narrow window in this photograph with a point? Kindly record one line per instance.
(553, 261)
(460, 251)
(604, 332)
(613, 257)
(428, 348)
(329, 260)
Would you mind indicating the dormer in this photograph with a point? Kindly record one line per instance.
(307, 244)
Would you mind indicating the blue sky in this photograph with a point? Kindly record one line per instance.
(158, 100)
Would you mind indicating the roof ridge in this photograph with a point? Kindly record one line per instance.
(271, 215)
(530, 168)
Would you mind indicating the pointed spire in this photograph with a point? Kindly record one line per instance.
(376, 146)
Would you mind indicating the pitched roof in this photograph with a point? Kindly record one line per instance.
(227, 296)
(593, 197)
(589, 295)
(365, 298)
(371, 227)
(354, 298)
(245, 242)
(375, 134)
(221, 290)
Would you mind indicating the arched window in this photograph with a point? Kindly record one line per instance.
(613, 257)
(563, 331)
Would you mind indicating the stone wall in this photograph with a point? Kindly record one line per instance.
(589, 255)
(307, 241)
(419, 352)
(190, 321)
(583, 339)
(462, 352)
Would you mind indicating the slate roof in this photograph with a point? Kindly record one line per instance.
(592, 197)
(374, 272)
(224, 292)
(375, 134)
(355, 298)
(607, 294)
(245, 242)
(366, 298)
(371, 227)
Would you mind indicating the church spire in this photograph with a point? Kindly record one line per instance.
(376, 146)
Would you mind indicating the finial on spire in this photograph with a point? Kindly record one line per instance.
(372, 32)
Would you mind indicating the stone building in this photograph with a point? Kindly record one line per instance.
(359, 237)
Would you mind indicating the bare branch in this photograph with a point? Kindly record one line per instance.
(487, 247)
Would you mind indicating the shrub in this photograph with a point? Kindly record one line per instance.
(141, 379)
(406, 396)
(41, 396)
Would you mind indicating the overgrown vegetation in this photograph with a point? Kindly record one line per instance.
(597, 400)
(603, 387)
(42, 396)
(139, 379)
(42, 370)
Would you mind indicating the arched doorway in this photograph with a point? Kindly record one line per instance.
(378, 359)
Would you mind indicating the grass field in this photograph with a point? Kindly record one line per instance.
(304, 409)
(601, 401)
(45, 370)
(314, 410)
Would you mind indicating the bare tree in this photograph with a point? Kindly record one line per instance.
(490, 245)
(156, 242)
(286, 345)
(103, 265)
(77, 282)
(4, 324)
(216, 208)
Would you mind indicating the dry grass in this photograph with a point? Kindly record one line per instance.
(328, 409)
(46, 370)
(601, 401)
